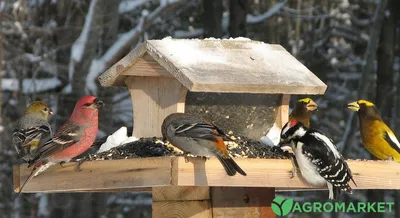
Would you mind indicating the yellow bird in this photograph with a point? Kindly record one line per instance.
(377, 137)
(302, 111)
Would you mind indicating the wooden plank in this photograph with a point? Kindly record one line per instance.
(242, 202)
(154, 98)
(181, 209)
(277, 172)
(179, 193)
(282, 116)
(181, 202)
(174, 171)
(146, 66)
(99, 175)
(144, 189)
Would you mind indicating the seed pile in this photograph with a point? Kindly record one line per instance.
(155, 147)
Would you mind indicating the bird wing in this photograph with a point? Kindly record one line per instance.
(68, 135)
(23, 137)
(325, 156)
(200, 131)
(392, 140)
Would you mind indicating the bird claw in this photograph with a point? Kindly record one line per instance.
(78, 166)
(62, 163)
(294, 172)
(390, 158)
(294, 166)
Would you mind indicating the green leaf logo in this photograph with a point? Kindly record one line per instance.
(282, 206)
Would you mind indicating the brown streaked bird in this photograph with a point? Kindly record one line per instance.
(200, 138)
(376, 136)
(302, 111)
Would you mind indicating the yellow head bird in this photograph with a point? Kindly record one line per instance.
(302, 111)
(377, 137)
(31, 128)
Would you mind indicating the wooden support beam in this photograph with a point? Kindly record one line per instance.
(242, 202)
(282, 115)
(181, 202)
(154, 98)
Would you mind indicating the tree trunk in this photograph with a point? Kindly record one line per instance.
(212, 18)
(237, 17)
(384, 87)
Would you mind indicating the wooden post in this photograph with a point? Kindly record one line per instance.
(282, 116)
(180, 201)
(153, 99)
(243, 202)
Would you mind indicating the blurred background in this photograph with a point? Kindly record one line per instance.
(55, 49)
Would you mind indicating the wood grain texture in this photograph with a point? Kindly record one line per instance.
(146, 66)
(181, 209)
(179, 193)
(242, 202)
(231, 66)
(174, 171)
(154, 98)
(282, 116)
(99, 175)
(276, 173)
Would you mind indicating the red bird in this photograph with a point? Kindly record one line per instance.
(72, 139)
(195, 136)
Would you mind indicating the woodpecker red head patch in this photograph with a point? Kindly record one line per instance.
(293, 123)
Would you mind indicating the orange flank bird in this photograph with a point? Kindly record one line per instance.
(195, 136)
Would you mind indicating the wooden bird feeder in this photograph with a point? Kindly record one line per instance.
(242, 86)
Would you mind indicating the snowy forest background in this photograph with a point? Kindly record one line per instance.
(55, 49)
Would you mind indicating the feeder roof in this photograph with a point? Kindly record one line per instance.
(213, 65)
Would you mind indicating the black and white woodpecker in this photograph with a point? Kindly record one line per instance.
(318, 159)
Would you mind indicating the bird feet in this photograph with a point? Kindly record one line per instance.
(294, 165)
(78, 166)
(294, 172)
(62, 163)
(391, 158)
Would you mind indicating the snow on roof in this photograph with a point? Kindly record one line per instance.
(237, 65)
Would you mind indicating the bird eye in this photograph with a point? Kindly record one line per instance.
(45, 109)
(87, 104)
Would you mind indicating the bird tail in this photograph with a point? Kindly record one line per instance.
(37, 169)
(230, 166)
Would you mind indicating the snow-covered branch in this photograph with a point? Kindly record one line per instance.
(126, 41)
(130, 5)
(251, 19)
(79, 46)
(31, 85)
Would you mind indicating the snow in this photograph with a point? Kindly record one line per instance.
(129, 5)
(118, 138)
(251, 19)
(43, 205)
(2, 4)
(79, 45)
(96, 67)
(30, 85)
(273, 136)
(234, 61)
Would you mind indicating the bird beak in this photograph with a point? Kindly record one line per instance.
(98, 103)
(51, 112)
(354, 106)
(311, 106)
